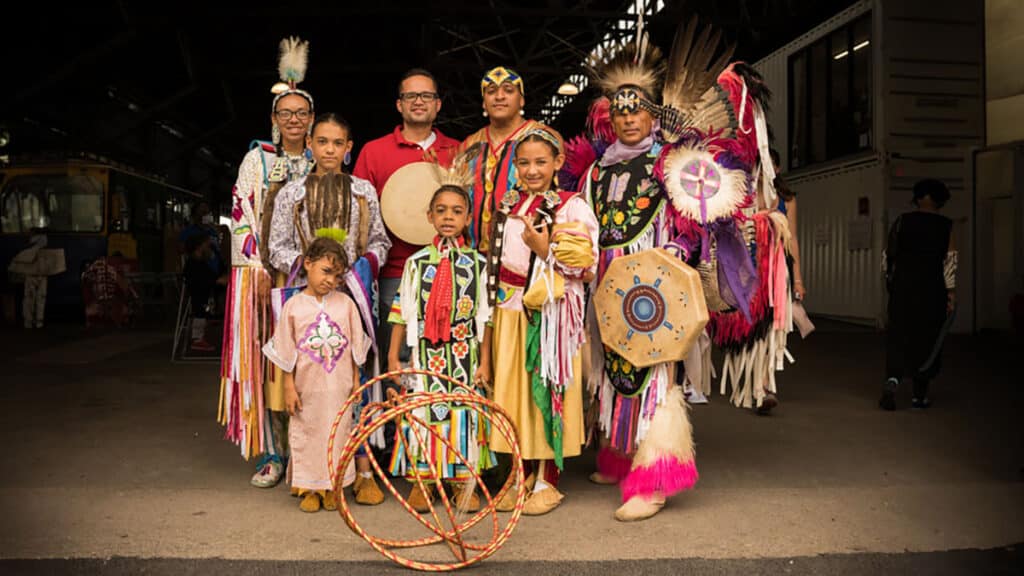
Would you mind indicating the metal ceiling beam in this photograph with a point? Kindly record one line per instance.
(572, 48)
(525, 69)
(475, 10)
(471, 43)
(501, 24)
(74, 65)
(148, 114)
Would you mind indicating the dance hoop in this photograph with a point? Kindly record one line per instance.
(373, 417)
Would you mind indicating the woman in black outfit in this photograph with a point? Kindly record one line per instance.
(920, 266)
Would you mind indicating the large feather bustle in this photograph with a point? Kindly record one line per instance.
(689, 98)
(692, 65)
(637, 64)
(292, 61)
(713, 114)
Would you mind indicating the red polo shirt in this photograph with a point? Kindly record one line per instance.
(378, 160)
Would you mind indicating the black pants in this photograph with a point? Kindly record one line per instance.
(200, 280)
(913, 335)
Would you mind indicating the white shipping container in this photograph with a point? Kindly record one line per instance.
(927, 116)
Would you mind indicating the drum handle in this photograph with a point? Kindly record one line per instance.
(675, 249)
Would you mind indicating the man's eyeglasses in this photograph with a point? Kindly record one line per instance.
(287, 114)
(412, 96)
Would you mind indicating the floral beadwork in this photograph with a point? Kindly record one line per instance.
(464, 308)
(437, 362)
(460, 331)
(627, 379)
(626, 200)
(324, 342)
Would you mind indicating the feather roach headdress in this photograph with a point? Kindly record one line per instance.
(626, 68)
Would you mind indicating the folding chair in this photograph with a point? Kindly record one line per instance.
(182, 349)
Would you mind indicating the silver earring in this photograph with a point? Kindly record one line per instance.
(522, 112)
(348, 158)
(485, 113)
(275, 135)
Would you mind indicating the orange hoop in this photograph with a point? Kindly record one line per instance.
(373, 417)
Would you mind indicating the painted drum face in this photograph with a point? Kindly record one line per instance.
(650, 309)
(643, 307)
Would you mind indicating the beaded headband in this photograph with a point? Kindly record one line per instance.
(499, 75)
(544, 133)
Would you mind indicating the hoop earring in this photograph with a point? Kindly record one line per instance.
(348, 158)
(275, 135)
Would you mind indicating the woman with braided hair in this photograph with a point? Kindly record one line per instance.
(251, 402)
(328, 199)
(333, 204)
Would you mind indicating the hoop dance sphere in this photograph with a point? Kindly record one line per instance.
(373, 417)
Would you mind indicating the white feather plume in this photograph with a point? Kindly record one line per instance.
(291, 64)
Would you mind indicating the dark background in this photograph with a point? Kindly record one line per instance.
(179, 90)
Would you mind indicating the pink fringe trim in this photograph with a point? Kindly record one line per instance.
(667, 475)
(613, 464)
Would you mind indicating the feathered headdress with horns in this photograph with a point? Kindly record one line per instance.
(630, 64)
(291, 67)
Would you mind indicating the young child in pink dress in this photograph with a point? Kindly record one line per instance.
(319, 344)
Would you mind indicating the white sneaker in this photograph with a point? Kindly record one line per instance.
(268, 475)
(695, 396)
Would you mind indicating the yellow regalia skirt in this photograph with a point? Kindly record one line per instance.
(513, 392)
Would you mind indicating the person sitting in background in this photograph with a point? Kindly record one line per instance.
(107, 294)
(203, 224)
(200, 278)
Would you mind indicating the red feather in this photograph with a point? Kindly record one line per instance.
(579, 155)
(745, 139)
(599, 121)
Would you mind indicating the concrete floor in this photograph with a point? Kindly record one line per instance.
(113, 451)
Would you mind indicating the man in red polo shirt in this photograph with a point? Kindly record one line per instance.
(418, 102)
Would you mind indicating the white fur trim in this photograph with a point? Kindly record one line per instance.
(670, 432)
